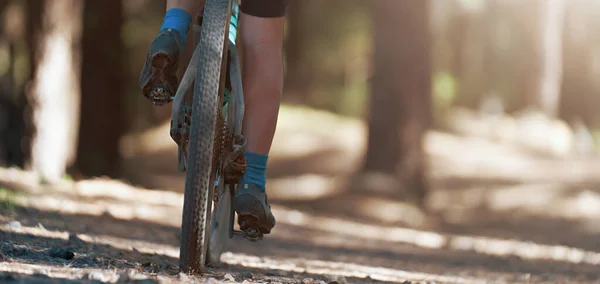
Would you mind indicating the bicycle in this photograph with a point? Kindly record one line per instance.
(209, 136)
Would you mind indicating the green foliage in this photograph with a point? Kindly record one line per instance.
(68, 177)
(472, 5)
(596, 135)
(445, 87)
(7, 201)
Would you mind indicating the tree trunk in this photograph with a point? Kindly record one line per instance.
(102, 106)
(33, 30)
(32, 33)
(546, 44)
(472, 54)
(401, 94)
(299, 73)
(56, 89)
(579, 97)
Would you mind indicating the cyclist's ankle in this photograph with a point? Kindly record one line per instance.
(256, 169)
(179, 20)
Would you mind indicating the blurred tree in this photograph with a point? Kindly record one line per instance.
(469, 38)
(400, 107)
(32, 33)
(544, 76)
(299, 71)
(21, 19)
(34, 27)
(10, 33)
(55, 91)
(141, 21)
(327, 51)
(579, 96)
(103, 119)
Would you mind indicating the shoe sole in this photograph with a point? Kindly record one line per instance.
(252, 220)
(157, 86)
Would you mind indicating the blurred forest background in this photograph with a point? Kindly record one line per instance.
(519, 72)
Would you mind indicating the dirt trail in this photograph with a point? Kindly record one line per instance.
(503, 216)
(106, 230)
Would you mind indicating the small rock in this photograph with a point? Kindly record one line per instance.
(247, 274)
(229, 277)
(247, 282)
(211, 281)
(61, 253)
(183, 277)
(14, 225)
(125, 276)
(96, 275)
(139, 276)
(308, 281)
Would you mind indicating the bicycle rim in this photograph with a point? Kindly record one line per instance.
(204, 137)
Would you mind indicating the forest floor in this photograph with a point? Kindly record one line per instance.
(498, 213)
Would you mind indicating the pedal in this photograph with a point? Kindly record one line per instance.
(251, 234)
(160, 97)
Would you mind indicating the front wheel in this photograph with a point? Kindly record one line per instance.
(205, 139)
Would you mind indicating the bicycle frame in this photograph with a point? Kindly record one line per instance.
(232, 104)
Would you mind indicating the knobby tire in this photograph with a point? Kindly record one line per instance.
(207, 102)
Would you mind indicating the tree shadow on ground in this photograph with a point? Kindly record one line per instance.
(19, 278)
(406, 257)
(481, 220)
(98, 225)
(36, 249)
(280, 245)
(26, 248)
(159, 169)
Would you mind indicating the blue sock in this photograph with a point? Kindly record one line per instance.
(256, 169)
(179, 20)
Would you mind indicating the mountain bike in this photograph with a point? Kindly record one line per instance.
(206, 124)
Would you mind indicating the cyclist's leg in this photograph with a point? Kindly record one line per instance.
(261, 24)
(157, 79)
